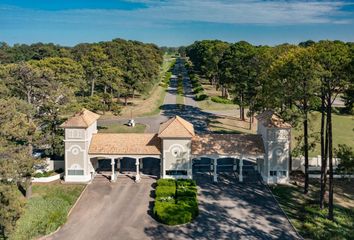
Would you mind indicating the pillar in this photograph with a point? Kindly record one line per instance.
(118, 165)
(240, 176)
(215, 175)
(113, 177)
(137, 176)
(234, 167)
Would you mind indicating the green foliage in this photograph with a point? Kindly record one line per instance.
(46, 211)
(198, 89)
(179, 207)
(346, 156)
(165, 191)
(43, 174)
(166, 182)
(11, 208)
(309, 219)
(222, 100)
(201, 97)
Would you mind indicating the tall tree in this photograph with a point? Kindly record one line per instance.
(334, 58)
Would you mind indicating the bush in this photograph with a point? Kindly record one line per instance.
(189, 203)
(172, 214)
(165, 191)
(184, 191)
(198, 89)
(176, 206)
(221, 100)
(186, 182)
(43, 174)
(166, 182)
(201, 97)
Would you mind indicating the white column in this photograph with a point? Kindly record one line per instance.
(240, 177)
(234, 167)
(118, 165)
(137, 176)
(215, 168)
(113, 177)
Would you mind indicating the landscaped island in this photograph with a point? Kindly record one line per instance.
(176, 201)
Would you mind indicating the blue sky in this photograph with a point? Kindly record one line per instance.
(175, 22)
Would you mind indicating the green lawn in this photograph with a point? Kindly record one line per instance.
(308, 219)
(46, 210)
(179, 99)
(121, 128)
(210, 105)
(343, 126)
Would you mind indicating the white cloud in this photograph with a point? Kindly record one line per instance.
(244, 11)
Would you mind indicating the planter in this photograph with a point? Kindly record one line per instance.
(48, 179)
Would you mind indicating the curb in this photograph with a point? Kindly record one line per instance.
(297, 233)
(71, 209)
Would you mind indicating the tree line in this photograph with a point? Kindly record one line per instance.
(293, 80)
(42, 84)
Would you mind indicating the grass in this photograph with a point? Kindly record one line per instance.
(46, 210)
(210, 105)
(342, 131)
(121, 128)
(176, 201)
(310, 221)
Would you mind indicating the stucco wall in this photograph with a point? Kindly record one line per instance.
(176, 155)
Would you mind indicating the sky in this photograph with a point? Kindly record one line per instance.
(175, 22)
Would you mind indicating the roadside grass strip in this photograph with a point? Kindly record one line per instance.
(176, 201)
(46, 210)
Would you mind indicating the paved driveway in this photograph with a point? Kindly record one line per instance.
(228, 210)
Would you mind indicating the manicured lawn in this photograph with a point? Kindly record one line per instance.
(121, 128)
(176, 201)
(309, 220)
(343, 126)
(46, 210)
(179, 99)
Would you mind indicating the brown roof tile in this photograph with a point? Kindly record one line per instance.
(82, 119)
(270, 119)
(176, 127)
(125, 143)
(227, 144)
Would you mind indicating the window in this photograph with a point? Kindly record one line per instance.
(282, 173)
(273, 173)
(176, 172)
(75, 172)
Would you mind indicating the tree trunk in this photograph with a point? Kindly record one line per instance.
(242, 112)
(92, 87)
(28, 187)
(330, 158)
(323, 154)
(306, 150)
(125, 100)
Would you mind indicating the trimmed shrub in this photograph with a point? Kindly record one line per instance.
(172, 214)
(189, 203)
(165, 191)
(184, 191)
(186, 182)
(201, 97)
(176, 206)
(221, 100)
(198, 89)
(166, 182)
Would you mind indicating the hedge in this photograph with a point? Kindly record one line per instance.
(176, 201)
(165, 191)
(221, 100)
(166, 182)
(201, 97)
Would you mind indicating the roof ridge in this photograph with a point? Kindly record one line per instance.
(178, 119)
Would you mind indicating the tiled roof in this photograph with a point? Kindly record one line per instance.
(82, 119)
(125, 143)
(227, 144)
(176, 127)
(270, 119)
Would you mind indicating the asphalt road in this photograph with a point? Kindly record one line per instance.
(228, 210)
